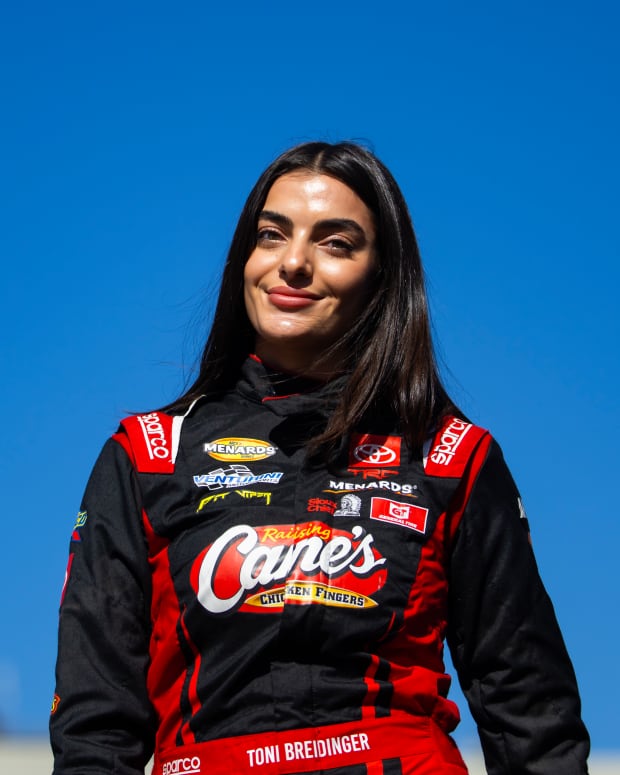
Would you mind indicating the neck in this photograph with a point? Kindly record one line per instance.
(290, 360)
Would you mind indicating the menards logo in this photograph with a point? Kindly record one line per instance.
(234, 448)
(261, 569)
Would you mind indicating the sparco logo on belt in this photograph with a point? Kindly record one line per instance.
(260, 569)
(451, 437)
(154, 436)
(185, 765)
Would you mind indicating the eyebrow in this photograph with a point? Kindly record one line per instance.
(329, 224)
(272, 215)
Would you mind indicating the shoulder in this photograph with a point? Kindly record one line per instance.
(452, 448)
(152, 440)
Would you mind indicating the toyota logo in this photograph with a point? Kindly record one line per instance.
(376, 454)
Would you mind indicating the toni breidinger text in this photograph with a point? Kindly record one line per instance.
(307, 749)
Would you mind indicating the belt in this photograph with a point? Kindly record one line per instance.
(303, 750)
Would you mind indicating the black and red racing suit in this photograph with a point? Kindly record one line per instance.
(235, 609)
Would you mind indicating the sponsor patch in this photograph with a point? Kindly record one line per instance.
(265, 497)
(322, 504)
(55, 701)
(373, 473)
(151, 439)
(309, 592)
(184, 765)
(350, 506)
(368, 450)
(404, 514)
(233, 477)
(448, 452)
(234, 449)
(80, 521)
(261, 569)
(410, 490)
(156, 436)
(451, 437)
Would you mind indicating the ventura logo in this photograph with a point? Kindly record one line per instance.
(233, 477)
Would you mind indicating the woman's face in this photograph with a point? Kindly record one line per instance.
(310, 274)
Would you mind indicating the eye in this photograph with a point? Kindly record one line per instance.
(338, 246)
(268, 235)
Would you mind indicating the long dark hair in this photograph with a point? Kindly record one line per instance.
(388, 355)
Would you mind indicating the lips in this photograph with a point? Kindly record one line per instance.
(285, 297)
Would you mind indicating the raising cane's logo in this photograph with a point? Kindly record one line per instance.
(260, 569)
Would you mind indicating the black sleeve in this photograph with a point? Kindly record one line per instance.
(102, 721)
(505, 641)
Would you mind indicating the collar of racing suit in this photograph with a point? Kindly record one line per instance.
(286, 394)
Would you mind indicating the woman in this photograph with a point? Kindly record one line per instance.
(262, 575)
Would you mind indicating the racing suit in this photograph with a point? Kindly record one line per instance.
(235, 608)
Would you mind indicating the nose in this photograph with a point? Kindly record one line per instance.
(295, 260)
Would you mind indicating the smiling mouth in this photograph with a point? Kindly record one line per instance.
(285, 297)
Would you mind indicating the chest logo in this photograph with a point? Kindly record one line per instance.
(263, 497)
(80, 521)
(235, 476)
(403, 514)
(232, 449)
(261, 569)
(451, 438)
(368, 450)
(350, 506)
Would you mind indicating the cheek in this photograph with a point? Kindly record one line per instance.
(249, 271)
(252, 275)
(250, 280)
(256, 269)
(353, 290)
(251, 307)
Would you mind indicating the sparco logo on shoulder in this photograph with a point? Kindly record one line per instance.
(451, 437)
(259, 569)
(154, 436)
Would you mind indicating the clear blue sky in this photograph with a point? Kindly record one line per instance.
(130, 136)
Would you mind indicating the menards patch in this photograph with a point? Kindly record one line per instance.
(234, 448)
